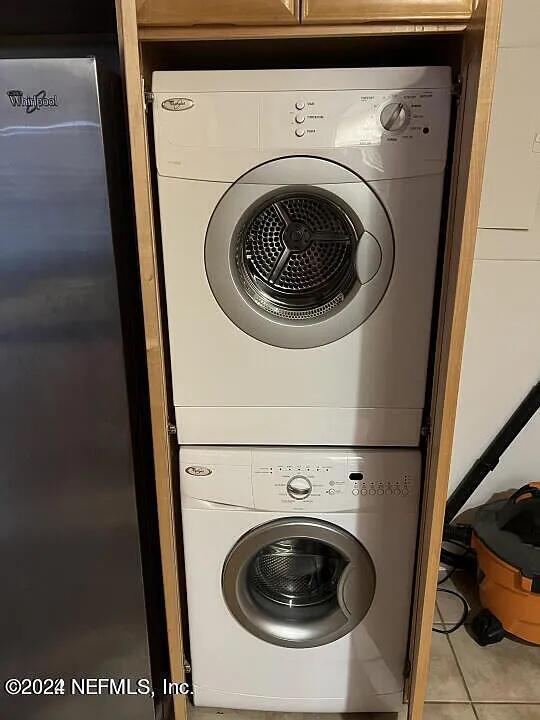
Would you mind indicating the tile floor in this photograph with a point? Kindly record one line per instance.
(466, 682)
(498, 682)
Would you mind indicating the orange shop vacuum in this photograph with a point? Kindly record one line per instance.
(505, 539)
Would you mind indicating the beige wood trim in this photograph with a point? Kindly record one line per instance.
(479, 64)
(169, 33)
(129, 52)
(409, 11)
(216, 12)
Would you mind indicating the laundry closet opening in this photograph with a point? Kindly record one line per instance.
(302, 193)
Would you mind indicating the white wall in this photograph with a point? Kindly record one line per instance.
(501, 358)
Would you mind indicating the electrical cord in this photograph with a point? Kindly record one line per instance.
(459, 544)
(447, 576)
(461, 621)
(447, 631)
(467, 552)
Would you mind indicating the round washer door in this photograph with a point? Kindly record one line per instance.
(298, 582)
(299, 265)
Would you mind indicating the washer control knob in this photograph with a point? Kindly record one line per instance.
(395, 116)
(299, 487)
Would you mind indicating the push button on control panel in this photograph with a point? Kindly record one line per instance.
(395, 488)
(300, 119)
(299, 132)
(300, 105)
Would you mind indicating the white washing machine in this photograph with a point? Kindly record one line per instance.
(299, 569)
(300, 214)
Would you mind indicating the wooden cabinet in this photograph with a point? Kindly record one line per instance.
(218, 12)
(360, 11)
(144, 49)
(179, 13)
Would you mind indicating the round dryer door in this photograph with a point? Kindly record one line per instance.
(299, 252)
(298, 582)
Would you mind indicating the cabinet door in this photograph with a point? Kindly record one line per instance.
(218, 12)
(359, 11)
(478, 67)
(166, 477)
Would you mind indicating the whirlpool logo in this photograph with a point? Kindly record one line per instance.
(31, 103)
(198, 470)
(177, 103)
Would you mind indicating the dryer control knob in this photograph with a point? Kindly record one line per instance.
(299, 487)
(395, 116)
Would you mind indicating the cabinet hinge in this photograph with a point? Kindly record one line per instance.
(148, 95)
(148, 99)
(407, 668)
(425, 430)
(171, 428)
(457, 87)
(187, 665)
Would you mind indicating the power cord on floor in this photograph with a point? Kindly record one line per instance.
(461, 621)
(447, 576)
(465, 613)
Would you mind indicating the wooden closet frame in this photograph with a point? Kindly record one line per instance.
(478, 70)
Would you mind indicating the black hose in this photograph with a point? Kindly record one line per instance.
(490, 457)
(460, 534)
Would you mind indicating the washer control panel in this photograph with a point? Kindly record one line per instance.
(300, 480)
(334, 480)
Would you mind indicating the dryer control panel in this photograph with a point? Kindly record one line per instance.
(299, 480)
(355, 118)
(382, 123)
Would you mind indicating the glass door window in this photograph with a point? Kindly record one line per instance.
(298, 582)
(297, 264)
(296, 578)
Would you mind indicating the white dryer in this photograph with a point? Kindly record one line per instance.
(299, 569)
(300, 216)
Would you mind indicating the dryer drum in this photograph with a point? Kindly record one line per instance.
(296, 254)
(294, 264)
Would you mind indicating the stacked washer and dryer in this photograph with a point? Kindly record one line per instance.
(300, 215)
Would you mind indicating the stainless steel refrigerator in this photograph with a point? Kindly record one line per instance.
(73, 482)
